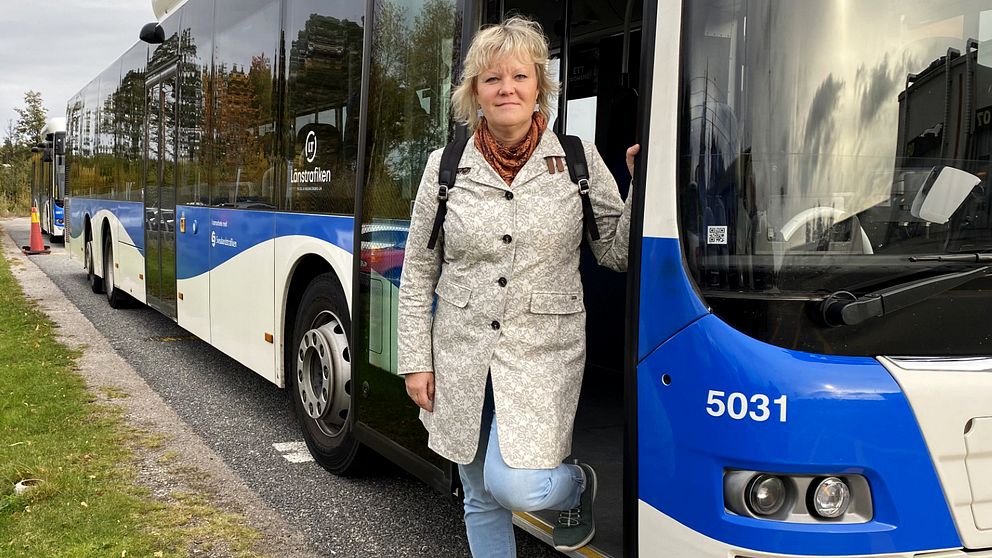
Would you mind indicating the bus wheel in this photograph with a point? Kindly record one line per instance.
(319, 376)
(115, 297)
(96, 283)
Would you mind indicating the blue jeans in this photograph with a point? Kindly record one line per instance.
(493, 489)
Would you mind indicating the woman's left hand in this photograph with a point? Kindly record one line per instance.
(632, 152)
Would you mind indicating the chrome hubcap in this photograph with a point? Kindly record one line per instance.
(323, 373)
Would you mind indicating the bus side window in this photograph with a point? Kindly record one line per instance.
(246, 105)
(324, 42)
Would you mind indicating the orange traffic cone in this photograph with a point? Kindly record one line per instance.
(37, 244)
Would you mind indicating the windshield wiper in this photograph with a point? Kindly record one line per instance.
(844, 308)
(976, 257)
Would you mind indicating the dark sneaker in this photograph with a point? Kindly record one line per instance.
(576, 527)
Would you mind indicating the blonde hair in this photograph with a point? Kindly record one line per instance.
(517, 36)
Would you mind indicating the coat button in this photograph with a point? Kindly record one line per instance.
(507, 239)
(502, 281)
(495, 324)
(509, 195)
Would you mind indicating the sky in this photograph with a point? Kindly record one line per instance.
(57, 46)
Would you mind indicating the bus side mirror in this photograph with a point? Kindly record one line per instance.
(152, 33)
(943, 191)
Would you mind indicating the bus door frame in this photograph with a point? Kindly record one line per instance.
(474, 12)
(159, 235)
(648, 31)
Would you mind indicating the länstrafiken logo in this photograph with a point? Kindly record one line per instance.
(310, 146)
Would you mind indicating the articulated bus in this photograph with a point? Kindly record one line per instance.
(797, 361)
(48, 178)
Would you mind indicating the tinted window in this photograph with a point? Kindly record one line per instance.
(129, 113)
(324, 80)
(74, 164)
(414, 50)
(195, 44)
(413, 54)
(89, 121)
(246, 51)
(105, 138)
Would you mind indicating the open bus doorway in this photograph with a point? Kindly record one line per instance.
(596, 45)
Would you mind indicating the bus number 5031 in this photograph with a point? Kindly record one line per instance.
(738, 406)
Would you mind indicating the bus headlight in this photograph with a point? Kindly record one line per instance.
(797, 497)
(766, 495)
(830, 497)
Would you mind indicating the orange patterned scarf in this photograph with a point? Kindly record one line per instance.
(507, 161)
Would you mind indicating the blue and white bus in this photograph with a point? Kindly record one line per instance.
(799, 361)
(48, 178)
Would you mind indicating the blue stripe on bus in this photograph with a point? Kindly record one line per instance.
(214, 236)
(336, 229)
(193, 246)
(131, 216)
(843, 415)
(667, 295)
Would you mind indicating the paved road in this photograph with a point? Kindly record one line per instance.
(242, 417)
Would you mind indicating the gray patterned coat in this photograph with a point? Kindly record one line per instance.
(509, 301)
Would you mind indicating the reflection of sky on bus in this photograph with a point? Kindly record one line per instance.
(241, 43)
(57, 46)
(350, 11)
(821, 96)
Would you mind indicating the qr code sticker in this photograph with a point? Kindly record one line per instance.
(716, 235)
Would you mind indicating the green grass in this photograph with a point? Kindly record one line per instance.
(87, 503)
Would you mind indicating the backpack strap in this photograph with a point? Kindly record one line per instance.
(578, 171)
(450, 157)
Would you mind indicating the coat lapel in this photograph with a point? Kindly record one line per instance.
(549, 146)
(480, 171)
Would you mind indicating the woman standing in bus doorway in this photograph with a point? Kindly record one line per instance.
(496, 366)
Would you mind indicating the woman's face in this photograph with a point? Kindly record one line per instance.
(507, 92)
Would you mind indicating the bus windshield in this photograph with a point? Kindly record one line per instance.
(818, 140)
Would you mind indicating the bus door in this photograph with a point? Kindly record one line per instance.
(408, 117)
(160, 192)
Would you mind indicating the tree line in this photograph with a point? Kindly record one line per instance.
(15, 154)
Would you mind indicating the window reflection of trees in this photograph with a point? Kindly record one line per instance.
(74, 165)
(224, 126)
(244, 126)
(128, 124)
(324, 83)
(244, 131)
(409, 99)
(194, 81)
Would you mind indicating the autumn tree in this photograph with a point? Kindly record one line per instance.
(31, 119)
(15, 154)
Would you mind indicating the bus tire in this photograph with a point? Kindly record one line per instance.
(318, 373)
(96, 283)
(115, 297)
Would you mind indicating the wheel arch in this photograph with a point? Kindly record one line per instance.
(95, 230)
(106, 233)
(87, 228)
(303, 271)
